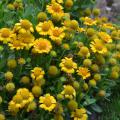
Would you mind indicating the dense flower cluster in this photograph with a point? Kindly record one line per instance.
(60, 63)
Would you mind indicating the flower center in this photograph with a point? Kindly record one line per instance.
(25, 24)
(56, 8)
(45, 26)
(99, 46)
(47, 101)
(42, 45)
(56, 33)
(5, 33)
(68, 64)
(37, 73)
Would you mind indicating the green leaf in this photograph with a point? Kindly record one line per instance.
(96, 108)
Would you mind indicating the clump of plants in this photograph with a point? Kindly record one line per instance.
(59, 67)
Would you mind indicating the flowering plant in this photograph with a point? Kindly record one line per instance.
(58, 66)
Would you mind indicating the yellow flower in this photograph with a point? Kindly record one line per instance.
(59, 1)
(32, 106)
(27, 39)
(57, 34)
(69, 92)
(67, 65)
(108, 26)
(89, 21)
(84, 72)
(2, 117)
(26, 96)
(79, 114)
(24, 26)
(5, 35)
(98, 46)
(43, 28)
(8, 75)
(37, 73)
(42, 45)
(21, 61)
(15, 44)
(55, 8)
(47, 102)
(105, 37)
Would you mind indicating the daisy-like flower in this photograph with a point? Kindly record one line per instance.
(42, 45)
(57, 34)
(98, 46)
(67, 65)
(58, 1)
(84, 72)
(27, 39)
(105, 37)
(15, 44)
(47, 102)
(107, 26)
(80, 114)
(89, 21)
(68, 92)
(37, 73)
(23, 26)
(5, 35)
(55, 8)
(44, 28)
(27, 96)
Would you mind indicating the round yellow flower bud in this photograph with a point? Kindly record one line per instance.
(96, 12)
(11, 63)
(53, 53)
(114, 75)
(83, 51)
(72, 105)
(87, 12)
(66, 46)
(116, 68)
(58, 109)
(92, 83)
(58, 117)
(53, 71)
(76, 85)
(87, 62)
(118, 47)
(101, 93)
(114, 34)
(112, 61)
(85, 86)
(56, 17)
(25, 80)
(2, 117)
(0, 99)
(100, 59)
(60, 96)
(36, 90)
(10, 7)
(8, 75)
(68, 4)
(10, 87)
(104, 19)
(21, 61)
(97, 77)
(90, 32)
(42, 16)
(95, 68)
(74, 25)
(32, 106)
